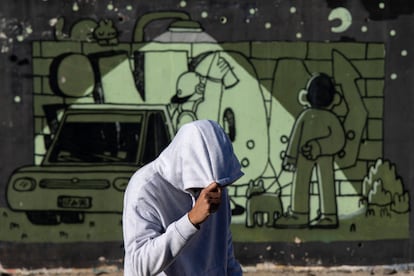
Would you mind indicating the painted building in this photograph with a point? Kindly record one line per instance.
(309, 93)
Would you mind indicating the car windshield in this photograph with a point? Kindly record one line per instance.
(97, 139)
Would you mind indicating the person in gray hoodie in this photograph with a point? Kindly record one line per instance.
(176, 218)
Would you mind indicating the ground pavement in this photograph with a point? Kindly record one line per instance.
(266, 269)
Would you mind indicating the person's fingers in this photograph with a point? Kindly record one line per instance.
(211, 187)
(212, 194)
(214, 200)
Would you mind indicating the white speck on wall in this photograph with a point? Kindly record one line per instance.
(252, 11)
(75, 7)
(223, 20)
(29, 29)
(183, 4)
(393, 33)
(381, 5)
(393, 76)
(204, 14)
(17, 99)
(292, 9)
(4, 49)
(20, 38)
(53, 21)
(298, 35)
(364, 29)
(129, 8)
(404, 53)
(268, 25)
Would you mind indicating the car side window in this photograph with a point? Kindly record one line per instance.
(157, 137)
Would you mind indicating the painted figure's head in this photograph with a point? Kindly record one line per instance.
(320, 92)
(186, 84)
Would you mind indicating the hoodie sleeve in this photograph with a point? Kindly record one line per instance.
(148, 248)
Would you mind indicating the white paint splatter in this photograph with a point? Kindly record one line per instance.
(393, 33)
(75, 7)
(298, 35)
(110, 6)
(381, 5)
(204, 14)
(4, 48)
(17, 99)
(292, 10)
(268, 25)
(129, 8)
(252, 11)
(53, 21)
(364, 29)
(183, 4)
(404, 53)
(298, 240)
(393, 76)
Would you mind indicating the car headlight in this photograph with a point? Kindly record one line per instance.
(24, 184)
(121, 183)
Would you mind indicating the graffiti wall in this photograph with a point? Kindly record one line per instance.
(316, 97)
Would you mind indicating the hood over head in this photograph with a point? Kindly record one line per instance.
(199, 154)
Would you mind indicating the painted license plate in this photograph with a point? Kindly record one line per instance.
(76, 202)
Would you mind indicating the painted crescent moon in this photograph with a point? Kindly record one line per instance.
(345, 18)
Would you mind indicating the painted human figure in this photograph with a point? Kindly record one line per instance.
(190, 93)
(202, 87)
(316, 138)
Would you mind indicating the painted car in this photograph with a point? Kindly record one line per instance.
(87, 167)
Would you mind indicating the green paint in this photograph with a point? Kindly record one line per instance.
(252, 88)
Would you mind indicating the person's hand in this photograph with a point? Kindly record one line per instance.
(207, 203)
(289, 164)
(311, 150)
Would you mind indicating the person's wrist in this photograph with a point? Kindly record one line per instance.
(192, 220)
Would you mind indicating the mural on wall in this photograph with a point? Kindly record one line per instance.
(305, 119)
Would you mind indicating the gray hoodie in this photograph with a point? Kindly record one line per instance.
(158, 235)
